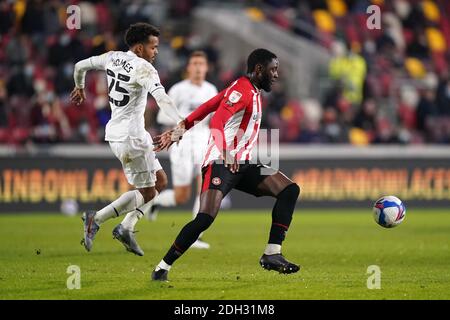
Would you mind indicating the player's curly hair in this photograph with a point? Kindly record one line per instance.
(139, 33)
(259, 56)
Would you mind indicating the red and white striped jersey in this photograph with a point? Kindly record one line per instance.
(235, 125)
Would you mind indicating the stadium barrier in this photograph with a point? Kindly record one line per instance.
(335, 176)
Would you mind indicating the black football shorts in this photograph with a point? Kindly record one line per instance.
(217, 176)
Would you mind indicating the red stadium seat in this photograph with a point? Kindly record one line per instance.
(4, 134)
(19, 135)
(445, 28)
(440, 62)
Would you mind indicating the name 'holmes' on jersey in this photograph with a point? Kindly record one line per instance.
(130, 78)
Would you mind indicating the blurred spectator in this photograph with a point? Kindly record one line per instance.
(427, 111)
(20, 81)
(418, 46)
(366, 118)
(18, 50)
(350, 68)
(7, 16)
(3, 112)
(336, 98)
(443, 96)
(311, 131)
(33, 21)
(333, 130)
(385, 132)
(275, 102)
(49, 121)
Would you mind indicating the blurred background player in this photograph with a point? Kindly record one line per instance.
(186, 156)
(131, 76)
(227, 163)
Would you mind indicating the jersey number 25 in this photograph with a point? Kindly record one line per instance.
(116, 81)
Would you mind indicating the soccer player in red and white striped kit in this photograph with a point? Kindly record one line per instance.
(227, 165)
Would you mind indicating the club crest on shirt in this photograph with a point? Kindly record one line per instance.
(216, 181)
(234, 96)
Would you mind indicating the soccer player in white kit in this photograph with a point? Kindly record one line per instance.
(131, 76)
(186, 157)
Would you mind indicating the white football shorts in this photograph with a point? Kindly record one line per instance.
(138, 160)
(186, 159)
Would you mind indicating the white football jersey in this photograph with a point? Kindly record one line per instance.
(188, 96)
(130, 79)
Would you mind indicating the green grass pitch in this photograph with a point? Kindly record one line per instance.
(334, 247)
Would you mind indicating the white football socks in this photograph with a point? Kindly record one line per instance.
(127, 202)
(134, 216)
(272, 249)
(163, 265)
(166, 198)
(131, 219)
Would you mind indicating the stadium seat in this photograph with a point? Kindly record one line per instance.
(4, 134)
(431, 11)
(435, 39)
(337, 8)
(415, 68)
(324, 21)
(19, 135)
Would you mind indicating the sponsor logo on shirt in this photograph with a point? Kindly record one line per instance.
(234, 97)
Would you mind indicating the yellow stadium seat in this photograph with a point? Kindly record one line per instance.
(415, 68)
(358, 137)
(287, 113)
(255, 14)
(324, 21)
(338, 8)
(378, 2)
(177, 42)
(431, 11)
(436, 40)
(97, 40)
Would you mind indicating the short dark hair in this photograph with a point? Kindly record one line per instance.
(139, 33)
(198, 53)
(259, 56)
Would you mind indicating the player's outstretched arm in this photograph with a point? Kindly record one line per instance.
(167, 138)
(77, 95)
(166, 104)
(147, 77)
(203, 110)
